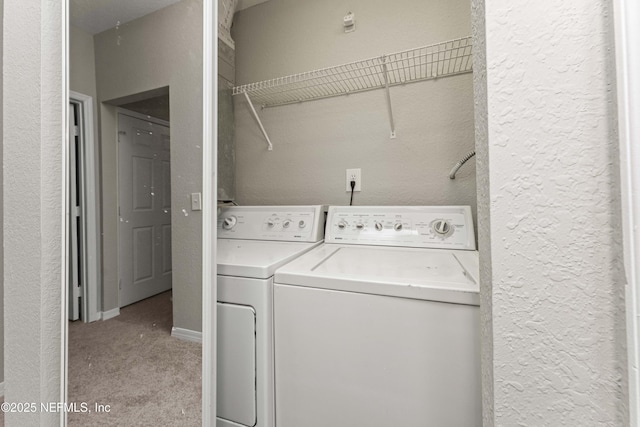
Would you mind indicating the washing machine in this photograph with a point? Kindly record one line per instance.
(379, 326)
(253, 241)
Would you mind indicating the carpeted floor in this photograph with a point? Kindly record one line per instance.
(132, 364)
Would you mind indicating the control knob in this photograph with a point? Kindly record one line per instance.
(302, 224)
(442, 227)
(397, 226)
(378, 226)
(229, 222)
(286, 223)
(359, 226)
(270, 223)
(342, 225)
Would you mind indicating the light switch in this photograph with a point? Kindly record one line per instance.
(196, 201)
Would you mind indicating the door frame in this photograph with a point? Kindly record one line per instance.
(627, 32)
(88, 205)
(209, 198)
(147, 118)
(209, 208)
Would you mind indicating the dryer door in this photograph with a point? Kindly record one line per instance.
(236, 394)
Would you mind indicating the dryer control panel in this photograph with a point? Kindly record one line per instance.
(276, 223)
(441, 227)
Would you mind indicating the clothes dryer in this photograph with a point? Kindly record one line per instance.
(253, 241)
(379, 326)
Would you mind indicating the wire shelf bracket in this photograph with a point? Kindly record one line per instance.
(388, 93)
(434, 61)
(255, 114)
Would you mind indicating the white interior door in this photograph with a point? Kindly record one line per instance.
(144, 193)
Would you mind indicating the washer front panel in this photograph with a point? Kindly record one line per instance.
(441, 227)
(346, 359)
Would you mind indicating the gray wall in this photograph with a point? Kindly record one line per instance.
(32, 200)
(551, 257)
(226, 123)
(314, 142)
(82, 69)
(158, 50)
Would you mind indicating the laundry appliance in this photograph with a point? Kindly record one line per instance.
(253, 241)
(379, 326)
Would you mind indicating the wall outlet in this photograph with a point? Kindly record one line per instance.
(354, 174)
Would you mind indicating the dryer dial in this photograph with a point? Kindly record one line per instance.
(229, 222)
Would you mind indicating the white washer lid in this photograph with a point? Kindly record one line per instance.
(256, 258)
(430, 274)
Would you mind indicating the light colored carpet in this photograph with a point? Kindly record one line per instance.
(132, 363)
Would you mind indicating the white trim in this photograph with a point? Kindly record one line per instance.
(627, 33)
(64, 360)
(186, 334)
(88, 172)
(110, 314)
(209, 208)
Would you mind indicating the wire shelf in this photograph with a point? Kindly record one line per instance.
(423, 63)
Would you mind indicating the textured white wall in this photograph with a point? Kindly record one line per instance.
(315, 142)
(159, 50)
(549, 214)
(32, 161)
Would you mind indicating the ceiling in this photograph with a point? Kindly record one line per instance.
(245, 4)
(96, 16)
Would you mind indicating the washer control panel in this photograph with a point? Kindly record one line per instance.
(281, 223)
(442, 227)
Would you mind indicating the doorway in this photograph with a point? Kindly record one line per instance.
(144, 207)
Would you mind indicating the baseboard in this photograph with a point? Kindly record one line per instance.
(2, 389)
(186, 334)
(110, 314)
